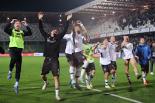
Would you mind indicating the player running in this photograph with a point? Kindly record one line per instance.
(88, 52)
(105, 61)
(16, 47)
(113, 55)
(128, 56)
(51, 53)
(74, 52)
(143, 54)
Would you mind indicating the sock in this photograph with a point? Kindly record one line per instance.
(72, 74)
(82, 73)
(106, 82)
(136, 74)
(45, 82)
(113, 79)
(128, 77)
(87, 80)
(85, 64)
(17, 83)
(10, 72)
(57, 92)
(91, 77)
(144, 76)
(44, 78)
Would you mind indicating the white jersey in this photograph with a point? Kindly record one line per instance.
(105, 58)
(112, 49)
(128, 51)
(69, 45)
(78, 43)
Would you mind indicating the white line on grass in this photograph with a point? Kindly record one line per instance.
(124, 98)
(97, 90)
(111, 94)
(30, 88)
(114, 95)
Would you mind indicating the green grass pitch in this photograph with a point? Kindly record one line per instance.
(31, 83)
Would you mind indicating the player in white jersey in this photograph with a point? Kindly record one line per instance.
(69, 55)
(105, 61)
(78, 41)
(74, 53)
(128, 56)
(113, 54)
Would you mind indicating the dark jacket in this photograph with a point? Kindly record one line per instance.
(143, 51)
(52, 44)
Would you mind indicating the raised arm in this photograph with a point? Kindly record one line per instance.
(84, 30)
(65, 28)
(42, 31)
(8, 28)
(28, 32)
(95, 46)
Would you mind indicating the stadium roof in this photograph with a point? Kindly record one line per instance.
(81, 6)
(110, 7)
(95, 9)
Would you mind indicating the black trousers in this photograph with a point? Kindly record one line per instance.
(16, 59)
(145, 67)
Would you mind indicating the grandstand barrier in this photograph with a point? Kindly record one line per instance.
(133, 31)
(118, 55)
(29, 54)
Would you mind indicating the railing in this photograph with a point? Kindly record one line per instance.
(133, 31)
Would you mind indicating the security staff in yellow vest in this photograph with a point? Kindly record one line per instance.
(16, 46)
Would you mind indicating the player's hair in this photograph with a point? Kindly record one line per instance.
(141, 37)
(55, 28)
(73, 30)
(17, 21)
(106, 38)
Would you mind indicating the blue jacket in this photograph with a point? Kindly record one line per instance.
(143, 51)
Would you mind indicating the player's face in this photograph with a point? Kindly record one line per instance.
(153, 44)
(105, 42)
(77, 29)
(112, 39)
(142, 40)
(126, 38)
(17, 25)
(54, 32)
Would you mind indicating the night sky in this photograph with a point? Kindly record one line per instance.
(40, 5)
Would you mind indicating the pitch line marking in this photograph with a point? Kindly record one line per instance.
(114, 95)
(97, 90)
(124, 98)
(117, 96)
